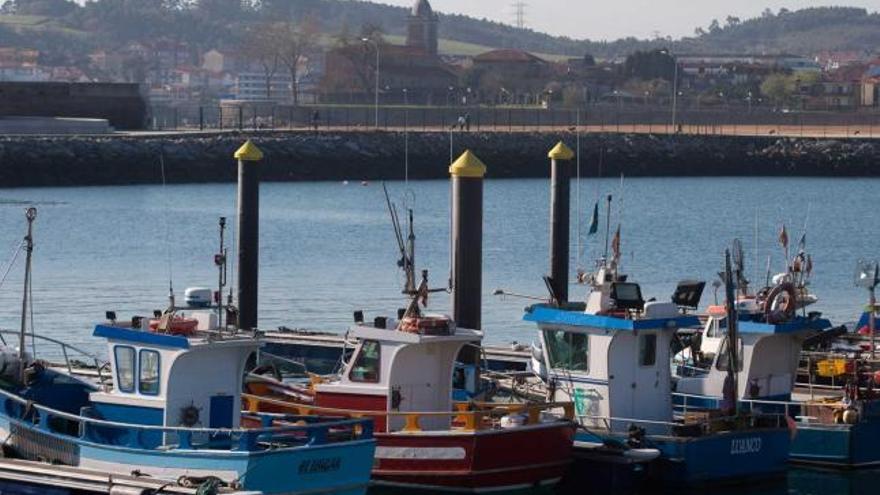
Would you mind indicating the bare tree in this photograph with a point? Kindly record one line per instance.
(295, 45)
(262, 48)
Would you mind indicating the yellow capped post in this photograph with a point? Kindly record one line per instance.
(467, 175)
(249, 152)
(561, 152)
(560, 199)
(468, 165)
(248, 233)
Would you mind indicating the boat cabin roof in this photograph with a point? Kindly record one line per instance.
(546, 314)
(797, 325)
(367, 332)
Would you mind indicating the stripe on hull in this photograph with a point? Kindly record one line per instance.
(455, 453)
(169, 473)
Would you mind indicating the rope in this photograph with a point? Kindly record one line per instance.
(166, 223)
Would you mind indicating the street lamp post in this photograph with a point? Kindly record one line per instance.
(376, 96)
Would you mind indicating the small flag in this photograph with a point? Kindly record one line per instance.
(615, 243)
(594, 221)
(783, 237)
(802, 245)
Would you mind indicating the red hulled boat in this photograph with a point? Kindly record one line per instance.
(401, 374)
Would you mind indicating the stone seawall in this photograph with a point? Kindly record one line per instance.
(297, 156)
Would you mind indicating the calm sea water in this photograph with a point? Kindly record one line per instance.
(328, 249)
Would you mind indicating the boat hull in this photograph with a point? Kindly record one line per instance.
(341, 469)
(474, 462)
(838, 446)
(735, 456)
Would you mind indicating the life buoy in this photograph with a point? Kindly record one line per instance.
(427, 325)
(179, 325)
(780, 303)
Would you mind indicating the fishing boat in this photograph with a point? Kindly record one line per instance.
(170, 409)
(610, 355)
(403, 372)
(835, 426)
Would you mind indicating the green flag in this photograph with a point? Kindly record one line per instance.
(594, 221)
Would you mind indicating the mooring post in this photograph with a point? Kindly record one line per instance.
(560, 213)
(467, 239)
(248, 233)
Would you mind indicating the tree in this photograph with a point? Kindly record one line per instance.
(261, 49)
(714, 26)
(51, 8)
(589, 60)
(733, 21)
(656, 64)
(296, 44)
(778, 87)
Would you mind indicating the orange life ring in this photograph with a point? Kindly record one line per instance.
(179, 325)
(427, 325)
(778, 310)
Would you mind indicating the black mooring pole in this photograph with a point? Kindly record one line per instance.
(467, 240)
(248, 233)
(560, 213)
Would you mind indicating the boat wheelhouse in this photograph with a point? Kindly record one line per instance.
(611, 356)
(401, 374)
(172, 411)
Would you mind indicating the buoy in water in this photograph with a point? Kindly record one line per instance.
(365, 183)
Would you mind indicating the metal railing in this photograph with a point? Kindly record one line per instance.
(468, 416)
(100, 431)
(81, 358)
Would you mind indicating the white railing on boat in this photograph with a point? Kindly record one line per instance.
(677, 428)
(81, 359)
(292, 431)
(789, 409)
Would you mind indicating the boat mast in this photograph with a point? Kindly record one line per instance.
(30, 215)
(220, 261)
(732, 334)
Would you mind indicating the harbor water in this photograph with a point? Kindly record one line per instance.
(327, 249)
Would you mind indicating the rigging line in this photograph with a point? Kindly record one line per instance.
(167, 226)
(11, 262)
(577, 207)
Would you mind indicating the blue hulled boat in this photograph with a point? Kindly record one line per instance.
(610, 356)
(171, 409)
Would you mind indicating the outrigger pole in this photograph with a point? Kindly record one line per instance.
(30, 215)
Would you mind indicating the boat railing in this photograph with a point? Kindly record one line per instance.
(789, 409)
(74, 358)
(275, 430)
(467, 416)
(689, 426)
(690, 371)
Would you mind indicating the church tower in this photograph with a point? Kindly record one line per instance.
(422, 29)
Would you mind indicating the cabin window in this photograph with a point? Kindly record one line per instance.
(366, 364)
(723, 359)
(717, 329)
(124, 356)
(647, 349)
(148, 380)
(568, 350)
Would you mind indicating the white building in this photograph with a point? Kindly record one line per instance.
(251, 85)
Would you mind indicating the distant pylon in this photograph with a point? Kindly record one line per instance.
(519, 11)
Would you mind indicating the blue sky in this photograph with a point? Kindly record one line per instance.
(604, 19)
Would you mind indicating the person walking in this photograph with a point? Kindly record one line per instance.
(316, 117)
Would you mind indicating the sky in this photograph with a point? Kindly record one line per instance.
(609, 20)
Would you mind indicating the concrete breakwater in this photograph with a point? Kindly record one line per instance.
(296, 156)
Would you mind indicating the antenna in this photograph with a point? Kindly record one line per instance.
(519, 12)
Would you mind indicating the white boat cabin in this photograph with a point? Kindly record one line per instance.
(611, 356)
(400, 369)
(170, 380)
(768, 355)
